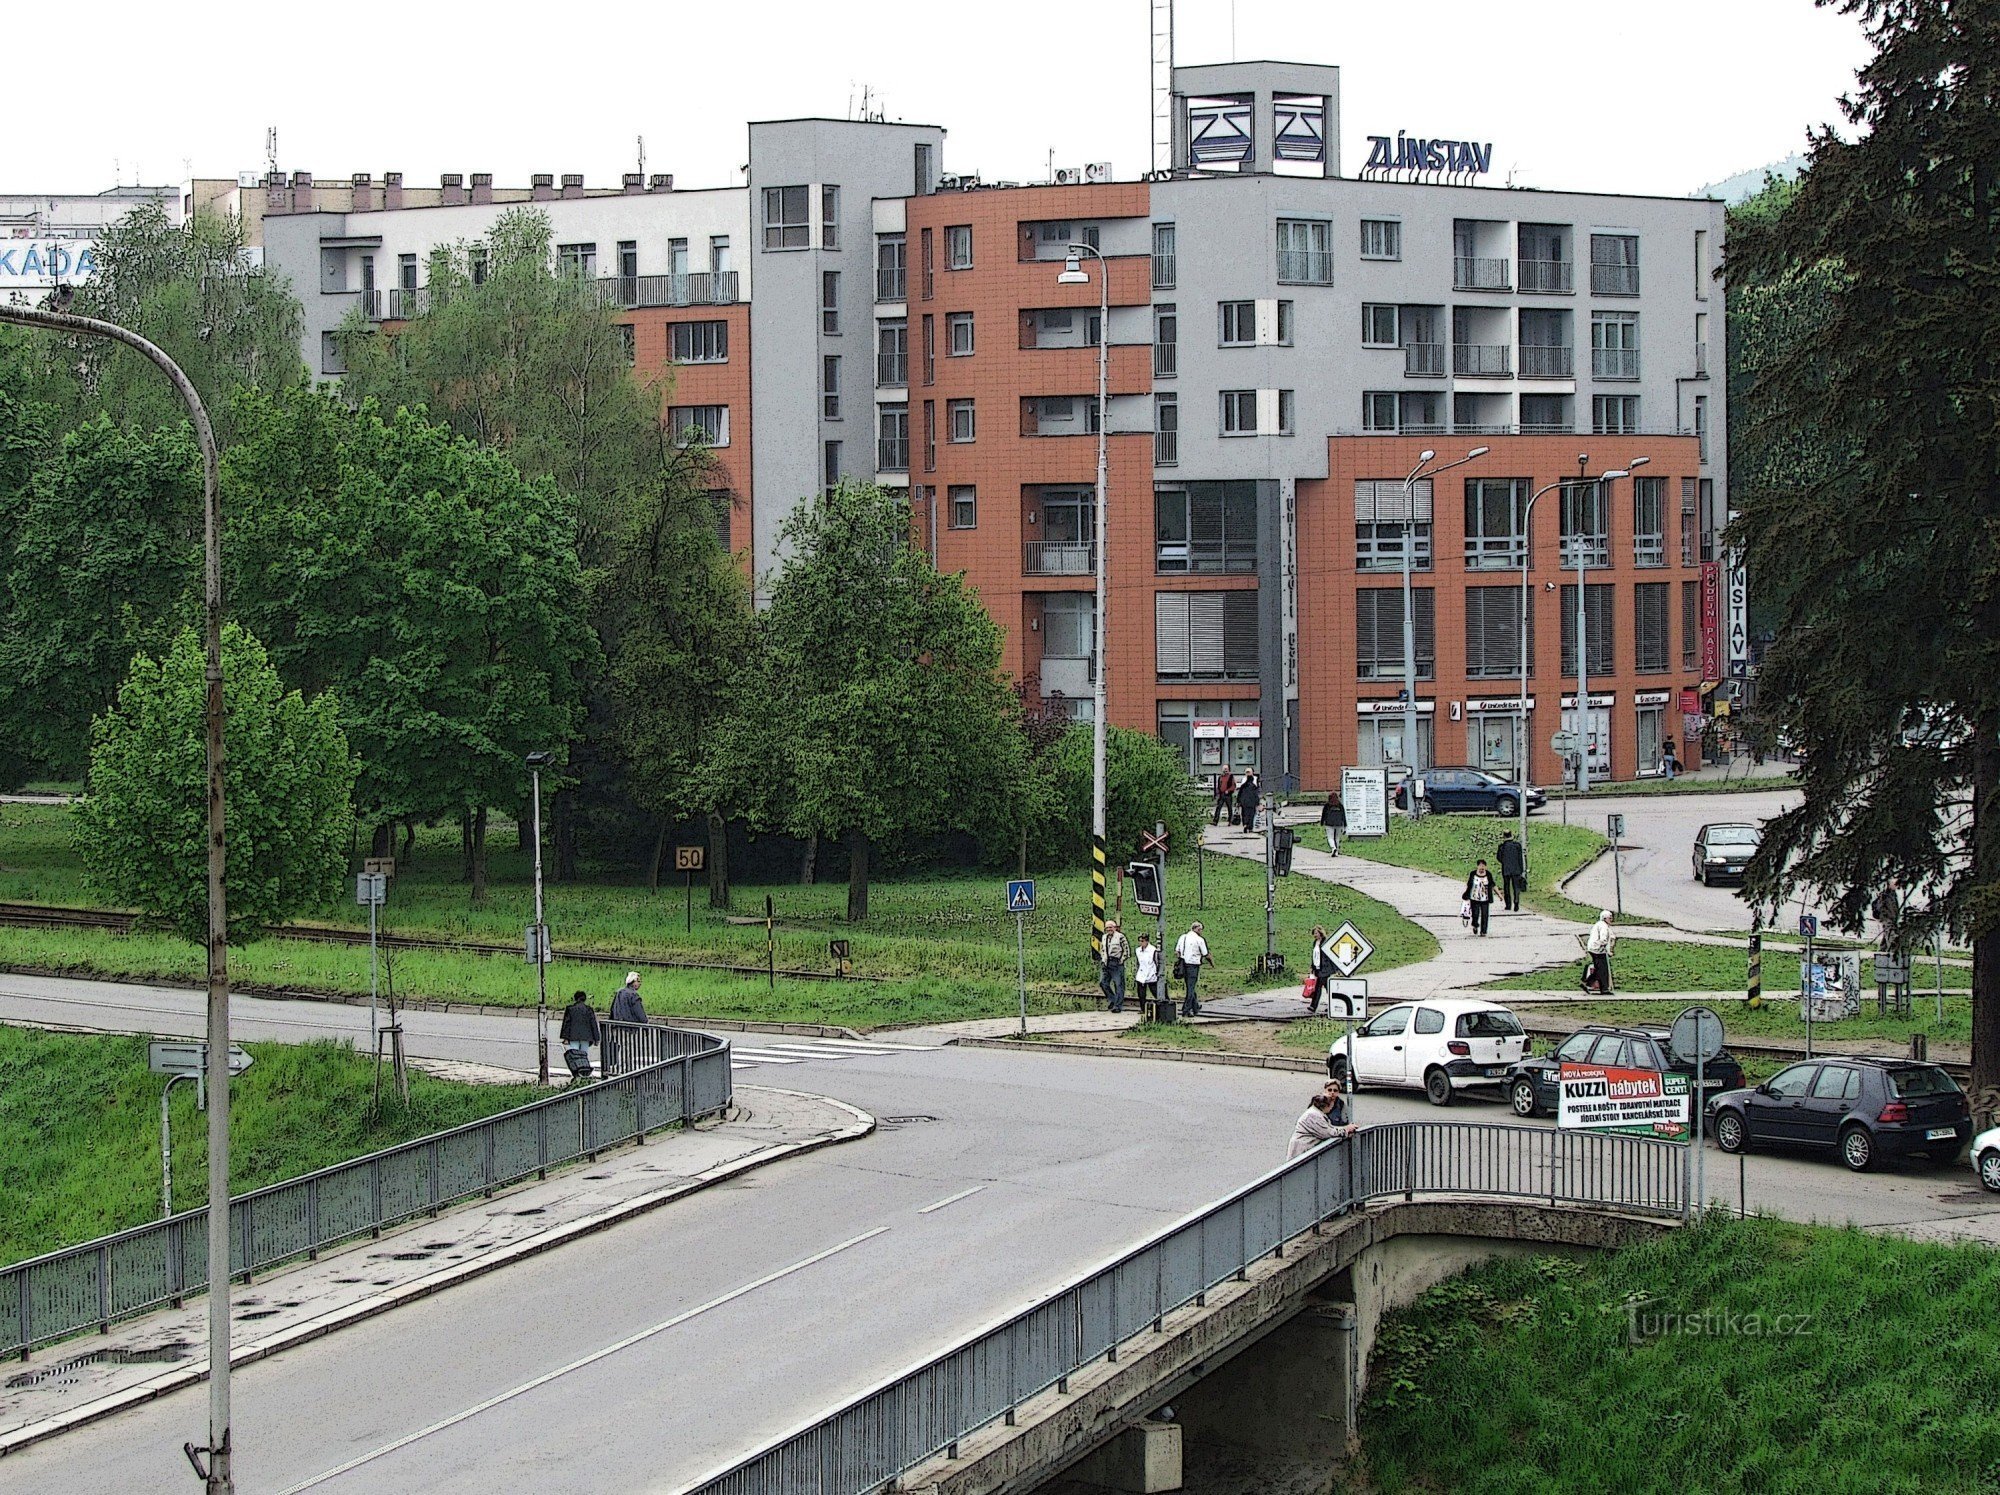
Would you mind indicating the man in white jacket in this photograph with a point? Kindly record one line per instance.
(1191, 950)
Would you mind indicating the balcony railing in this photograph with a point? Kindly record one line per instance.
(1547, 427)
(707, 288)
(1614, 363)
(399, 303)
(1701, 360)
(892, 454)
(892, 370)
(1614, 280)
(1058, 558)
(1423, 360)
(1166, 360)
(1163, 270)
(1166, 448)
(1485, 360)
(1312, 267)
(1474, 274)
(891, 283)
(1548, 363)
(1548, 275)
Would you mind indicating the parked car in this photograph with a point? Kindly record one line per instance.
(1865, 1109)
(1723, 851)
(1440, 1047)
(1469, 789)
(1986, 1158)
(1531, 1086)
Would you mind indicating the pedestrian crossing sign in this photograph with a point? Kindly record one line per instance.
(1021, 896)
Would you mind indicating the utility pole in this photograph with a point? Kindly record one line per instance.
(536, 763)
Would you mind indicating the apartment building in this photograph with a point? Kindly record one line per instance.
(1284, 344)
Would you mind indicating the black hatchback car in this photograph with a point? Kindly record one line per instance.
(1469, 790)
(1865, 1109)
(1531, 1084)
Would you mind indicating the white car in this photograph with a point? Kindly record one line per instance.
(1439, 1047)
(1986, 1158)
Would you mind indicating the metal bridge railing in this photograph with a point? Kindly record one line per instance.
(926, 1411)
(663, 1077)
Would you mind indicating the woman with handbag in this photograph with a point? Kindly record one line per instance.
(1319, 971)
(1479, 898)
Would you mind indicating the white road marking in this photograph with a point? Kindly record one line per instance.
(578, 1364)
(953, 1199)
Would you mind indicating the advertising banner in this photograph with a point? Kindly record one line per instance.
(34, 265)
(1365, 794)
(1636, 1102)
(1711, 620)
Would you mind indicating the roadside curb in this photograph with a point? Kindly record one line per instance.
(246, 1354)
(1144, 1051)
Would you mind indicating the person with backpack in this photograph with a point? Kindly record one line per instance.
(1225, 798)
(579, 1032)
(1333, 816)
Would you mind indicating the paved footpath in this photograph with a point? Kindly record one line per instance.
(82, 1379)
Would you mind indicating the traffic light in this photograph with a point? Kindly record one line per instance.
(1281, 850)
(1145, 880)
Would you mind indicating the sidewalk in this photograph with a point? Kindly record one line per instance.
(92, 1376)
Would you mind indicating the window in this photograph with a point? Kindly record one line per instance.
(1649, 627)
(477, 259)
(1284, 324)
(406, 271)
(1707, 486)
(579, 260)
(1166, 341)
(1378, 325)
(1597, 626)
(1614, 264)
(1614, 415)
(964, 507)
(1649, 521)
(892, 438)
(1285, 404)
(1378, 633)
(1382, 523)
(698, 342)
(707, 424)
(829, 217)
(830, 464)
(1418, 412)
(930, 349)
(628, 343)
(829, 387)
(1493, 633)
(1701, 426)
(1239, 412)
(1239, 323)
(829, 302)
(677, 262)
(891, 267)
(959, 414)
(1069, 626)
(892, 354)
(1166, 430)
(1163, 257)
(1495, 538)
(1614, 344)
(958, 247)
(958, 334)
(929, 266)
(718, 254)
(930, 435)
(1838, 1082)
(1544, 257)
(1544, 415)
(1429, 1020)
(785, 222)
(1381, 239)
(1305, 254)
(628, 265)
(1205, 635)
(1585, 525)
(1701, 264)
(1690, 624)
(1205, 527)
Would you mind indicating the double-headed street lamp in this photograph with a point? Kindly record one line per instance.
(1073, 274)
(1424, 460)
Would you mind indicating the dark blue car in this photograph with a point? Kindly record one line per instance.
(1469, 791)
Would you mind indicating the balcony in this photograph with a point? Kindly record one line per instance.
(1614, 363)
(1614, 280)
(1548, 276)
(1058, 558)
(1548, 363)
(1482, 360)
(396, 304)
(1423, 360)
(717, 288)
(1309, 267)
(1476, 274)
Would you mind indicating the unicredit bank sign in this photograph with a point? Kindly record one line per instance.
(40, 264)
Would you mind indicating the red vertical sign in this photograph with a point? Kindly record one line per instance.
(1711, 620)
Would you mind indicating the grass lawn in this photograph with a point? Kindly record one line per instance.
(80, 1128)
(1778, 1019)
(1674, 965)
(946, 937)
(1761, 784)
(1170, 1036)
(1743, 1355)
(1449, 844)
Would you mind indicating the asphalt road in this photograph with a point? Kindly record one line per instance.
(647, 1355)
(1656, 864)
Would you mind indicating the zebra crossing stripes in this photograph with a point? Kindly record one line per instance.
(807, 1050)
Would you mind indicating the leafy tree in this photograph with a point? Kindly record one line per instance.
(1146, 782)
(427, 583)
(287, 776)
(99, 542)
(886, 705)
(1887, 553)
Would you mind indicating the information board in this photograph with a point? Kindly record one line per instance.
(1364, 792)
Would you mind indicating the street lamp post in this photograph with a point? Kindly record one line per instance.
(1582, 633)
(536, 763)
(1424, 460)
(1522, 748)
(216, 1475)
(1073, 273)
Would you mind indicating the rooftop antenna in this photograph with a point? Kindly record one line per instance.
(642, 155)
(271, 153)
(1163, 85)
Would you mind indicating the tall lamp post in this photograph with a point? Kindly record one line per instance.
(536, 763)
(1073, 274)
(1521, 742)
(1424, 459)
(216, 1475)
(1582, 632)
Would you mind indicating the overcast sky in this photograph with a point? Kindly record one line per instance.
(1605, 95)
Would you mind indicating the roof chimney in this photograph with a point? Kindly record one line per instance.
(392, 189)
(572, 184)
(302, 191)
(364, 192)
(634, 181)
(663, 181)
(541, 186)
(482, 186)
(452, 188)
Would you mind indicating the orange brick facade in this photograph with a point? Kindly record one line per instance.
(726, 383)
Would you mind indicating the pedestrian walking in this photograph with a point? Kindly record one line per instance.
(1111, 971)
(1333, 816)
(1225, 797)
(579, 1032)
(1316, 1124)
(1248, 793)
(1670, 763)
(1146, 969)
(626, 1006)
(1319, 972)
(1513, 871)
(1190, 950)
(1479, 897)
(1598, 945)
